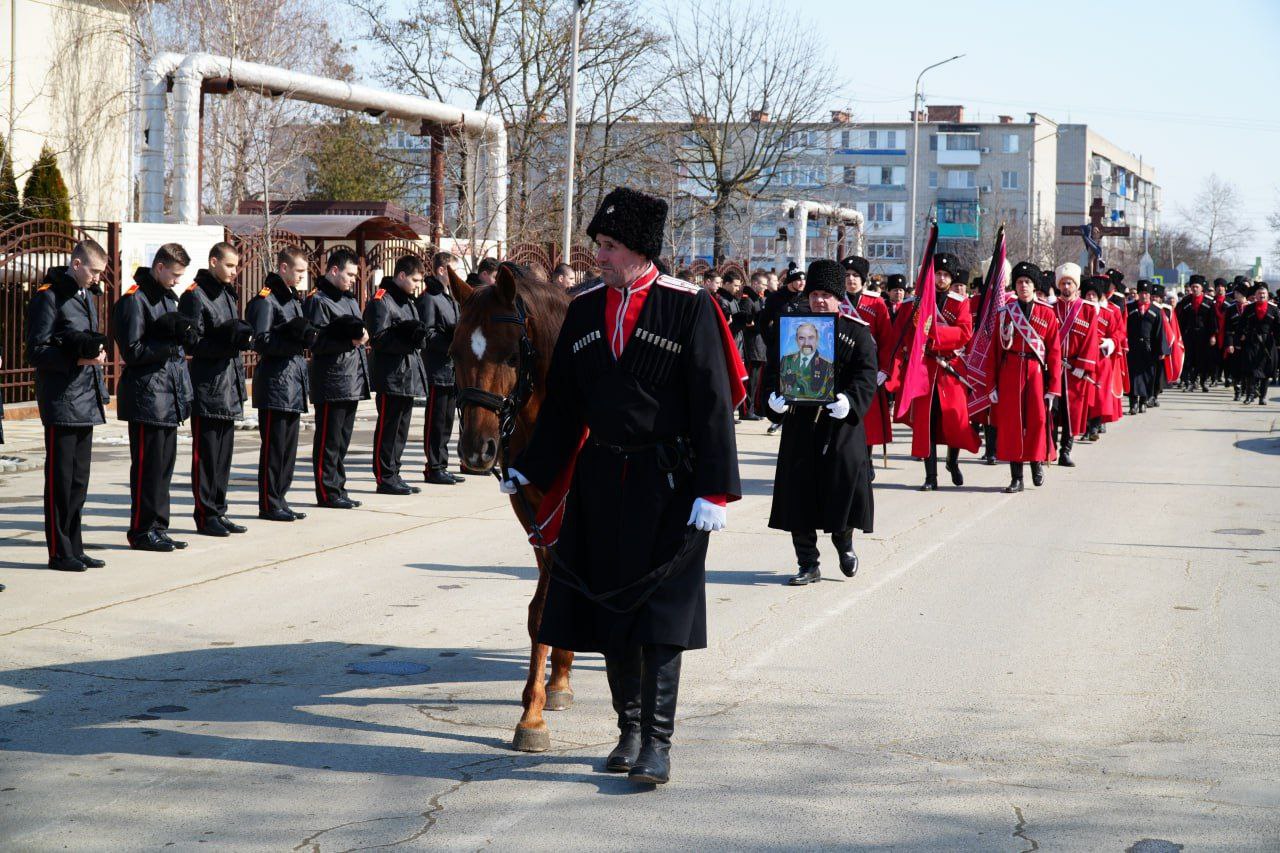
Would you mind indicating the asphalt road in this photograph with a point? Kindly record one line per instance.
(1093, 665)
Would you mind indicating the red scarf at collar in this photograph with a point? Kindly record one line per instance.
(1260, 308)
(1197, 300)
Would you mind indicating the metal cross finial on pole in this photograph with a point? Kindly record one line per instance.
(566, 234)
(915, 160)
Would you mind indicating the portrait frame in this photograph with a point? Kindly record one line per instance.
(811, 382)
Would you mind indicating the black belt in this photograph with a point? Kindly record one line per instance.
(1025, 355)
(672, 453)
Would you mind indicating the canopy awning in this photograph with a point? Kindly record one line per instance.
(317, 227)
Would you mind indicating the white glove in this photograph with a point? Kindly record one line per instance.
(881, 376)
(1107, 346)
(839, 407)
(777, 403)
(994, 397)
(707, 516)
(1078, 372)
(514, 480)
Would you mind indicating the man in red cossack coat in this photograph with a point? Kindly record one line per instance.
(871, 307)
(1078, 337)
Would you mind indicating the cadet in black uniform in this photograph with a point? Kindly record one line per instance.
(823, 474)
(280, 337)
(154, 391)
(217, 377)
(438, 311)
(68, 352)
(339, 375)
(396, 336)
(1259, 336)
(641, 362)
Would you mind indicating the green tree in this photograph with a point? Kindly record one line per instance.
(10, 202)
(349, 163)
(45, 196)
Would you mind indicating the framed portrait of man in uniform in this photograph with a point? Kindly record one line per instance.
(807, 347)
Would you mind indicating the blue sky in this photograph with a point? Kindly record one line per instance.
(1193, 87)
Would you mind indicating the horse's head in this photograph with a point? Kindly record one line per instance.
(489, 358)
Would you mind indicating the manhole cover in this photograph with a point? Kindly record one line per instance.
(1240, 531)
(387, 667)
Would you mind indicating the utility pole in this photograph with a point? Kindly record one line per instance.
(566, 234)
(915, 160)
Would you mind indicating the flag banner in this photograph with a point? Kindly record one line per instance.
(915, 376)
(980, 361)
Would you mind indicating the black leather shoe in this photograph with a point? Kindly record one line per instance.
(988, 460)
(338, 503)
(231, 526)
(1155, 404)
(1013, 488)
(1065, 461)
(66, 564)
(957, 478)
(213, 527)
(1037, 474)
(151, 542)
(623, 671)
(457, 478)
(752, 417)
(660, 685)
(91, 562)
(441, 478)
(396, 489)
(848, 563)
(177, 544)
(276, 515)
(929, 486)
(806, 576)
(297, 516)
(1133, 410)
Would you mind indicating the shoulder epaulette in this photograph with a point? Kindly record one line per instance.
(674, 283)
(1040, 300)
(131, 289)
(266, 291)
(43, 287)
(192, 287)
(855, 317)
(953, 295)
(380, 293)
(592, 289)
(874, 293)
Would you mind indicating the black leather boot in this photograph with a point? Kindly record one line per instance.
(953, 466)
(1015, 479)
(844, 548)
(623, 670)
(1037, 473)
(989, 445)
(660, 685)
(930, 471)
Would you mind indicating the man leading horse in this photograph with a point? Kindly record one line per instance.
(640, 398)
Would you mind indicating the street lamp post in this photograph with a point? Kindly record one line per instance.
(915, 160)
(566, 234)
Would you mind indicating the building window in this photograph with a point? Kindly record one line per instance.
(1008, 180)
(933, 142)
(933, 180)
(961, 142)
(879, 211)
(844, 142)
(884, 250)
(961, 179)
(871, 139)
(891, 139)
(850, 173)
(1010, 143)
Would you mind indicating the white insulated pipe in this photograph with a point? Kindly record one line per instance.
(802, 209)
(194, 69)
(151, 147)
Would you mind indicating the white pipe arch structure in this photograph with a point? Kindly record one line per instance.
(188, 73)
(802, 208)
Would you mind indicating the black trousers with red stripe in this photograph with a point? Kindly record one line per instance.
(442, 401)
(213, 440)
(395, 412)
(152, 453)
(334, 424)
(67, 451)
(755, 373)
(279, 432)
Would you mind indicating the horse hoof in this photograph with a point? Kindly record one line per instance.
(531, 740)
(559, 700)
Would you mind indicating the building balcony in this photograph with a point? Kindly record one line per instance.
(959, 158)
(896, 228)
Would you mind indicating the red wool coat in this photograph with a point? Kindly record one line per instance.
(871, 307)
(1079, 339)
(1019, 412)
(948, 335)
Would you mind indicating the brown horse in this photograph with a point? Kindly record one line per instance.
(506, 333)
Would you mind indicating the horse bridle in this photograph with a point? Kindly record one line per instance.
(507, 408)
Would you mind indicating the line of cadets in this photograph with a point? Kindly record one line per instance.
(184, 359)
(1068, 350)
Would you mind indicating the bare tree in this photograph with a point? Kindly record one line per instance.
(1273, 222)
(1216, 221)
(749, 76)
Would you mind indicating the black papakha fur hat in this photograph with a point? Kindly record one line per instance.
(633, 219)
(825, 275)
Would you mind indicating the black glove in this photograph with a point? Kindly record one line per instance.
(169, 327)
(241, 335)
(345, 327)
(91, 344)
(68, 341)
(410, 333)
(296, 329)
(188, 336)
(234, 335)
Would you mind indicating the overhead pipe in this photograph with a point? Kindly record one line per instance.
(802, 209)
(155, 88)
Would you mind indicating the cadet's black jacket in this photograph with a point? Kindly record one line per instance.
(67, 394)
(439, 313)
(397, 338)
(1259, 335)
(280, 379)
(154, 387)
(216, 367)
(661, 422)
(823, 477)
(753, 346)
(1147, 346)
(339, 368)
